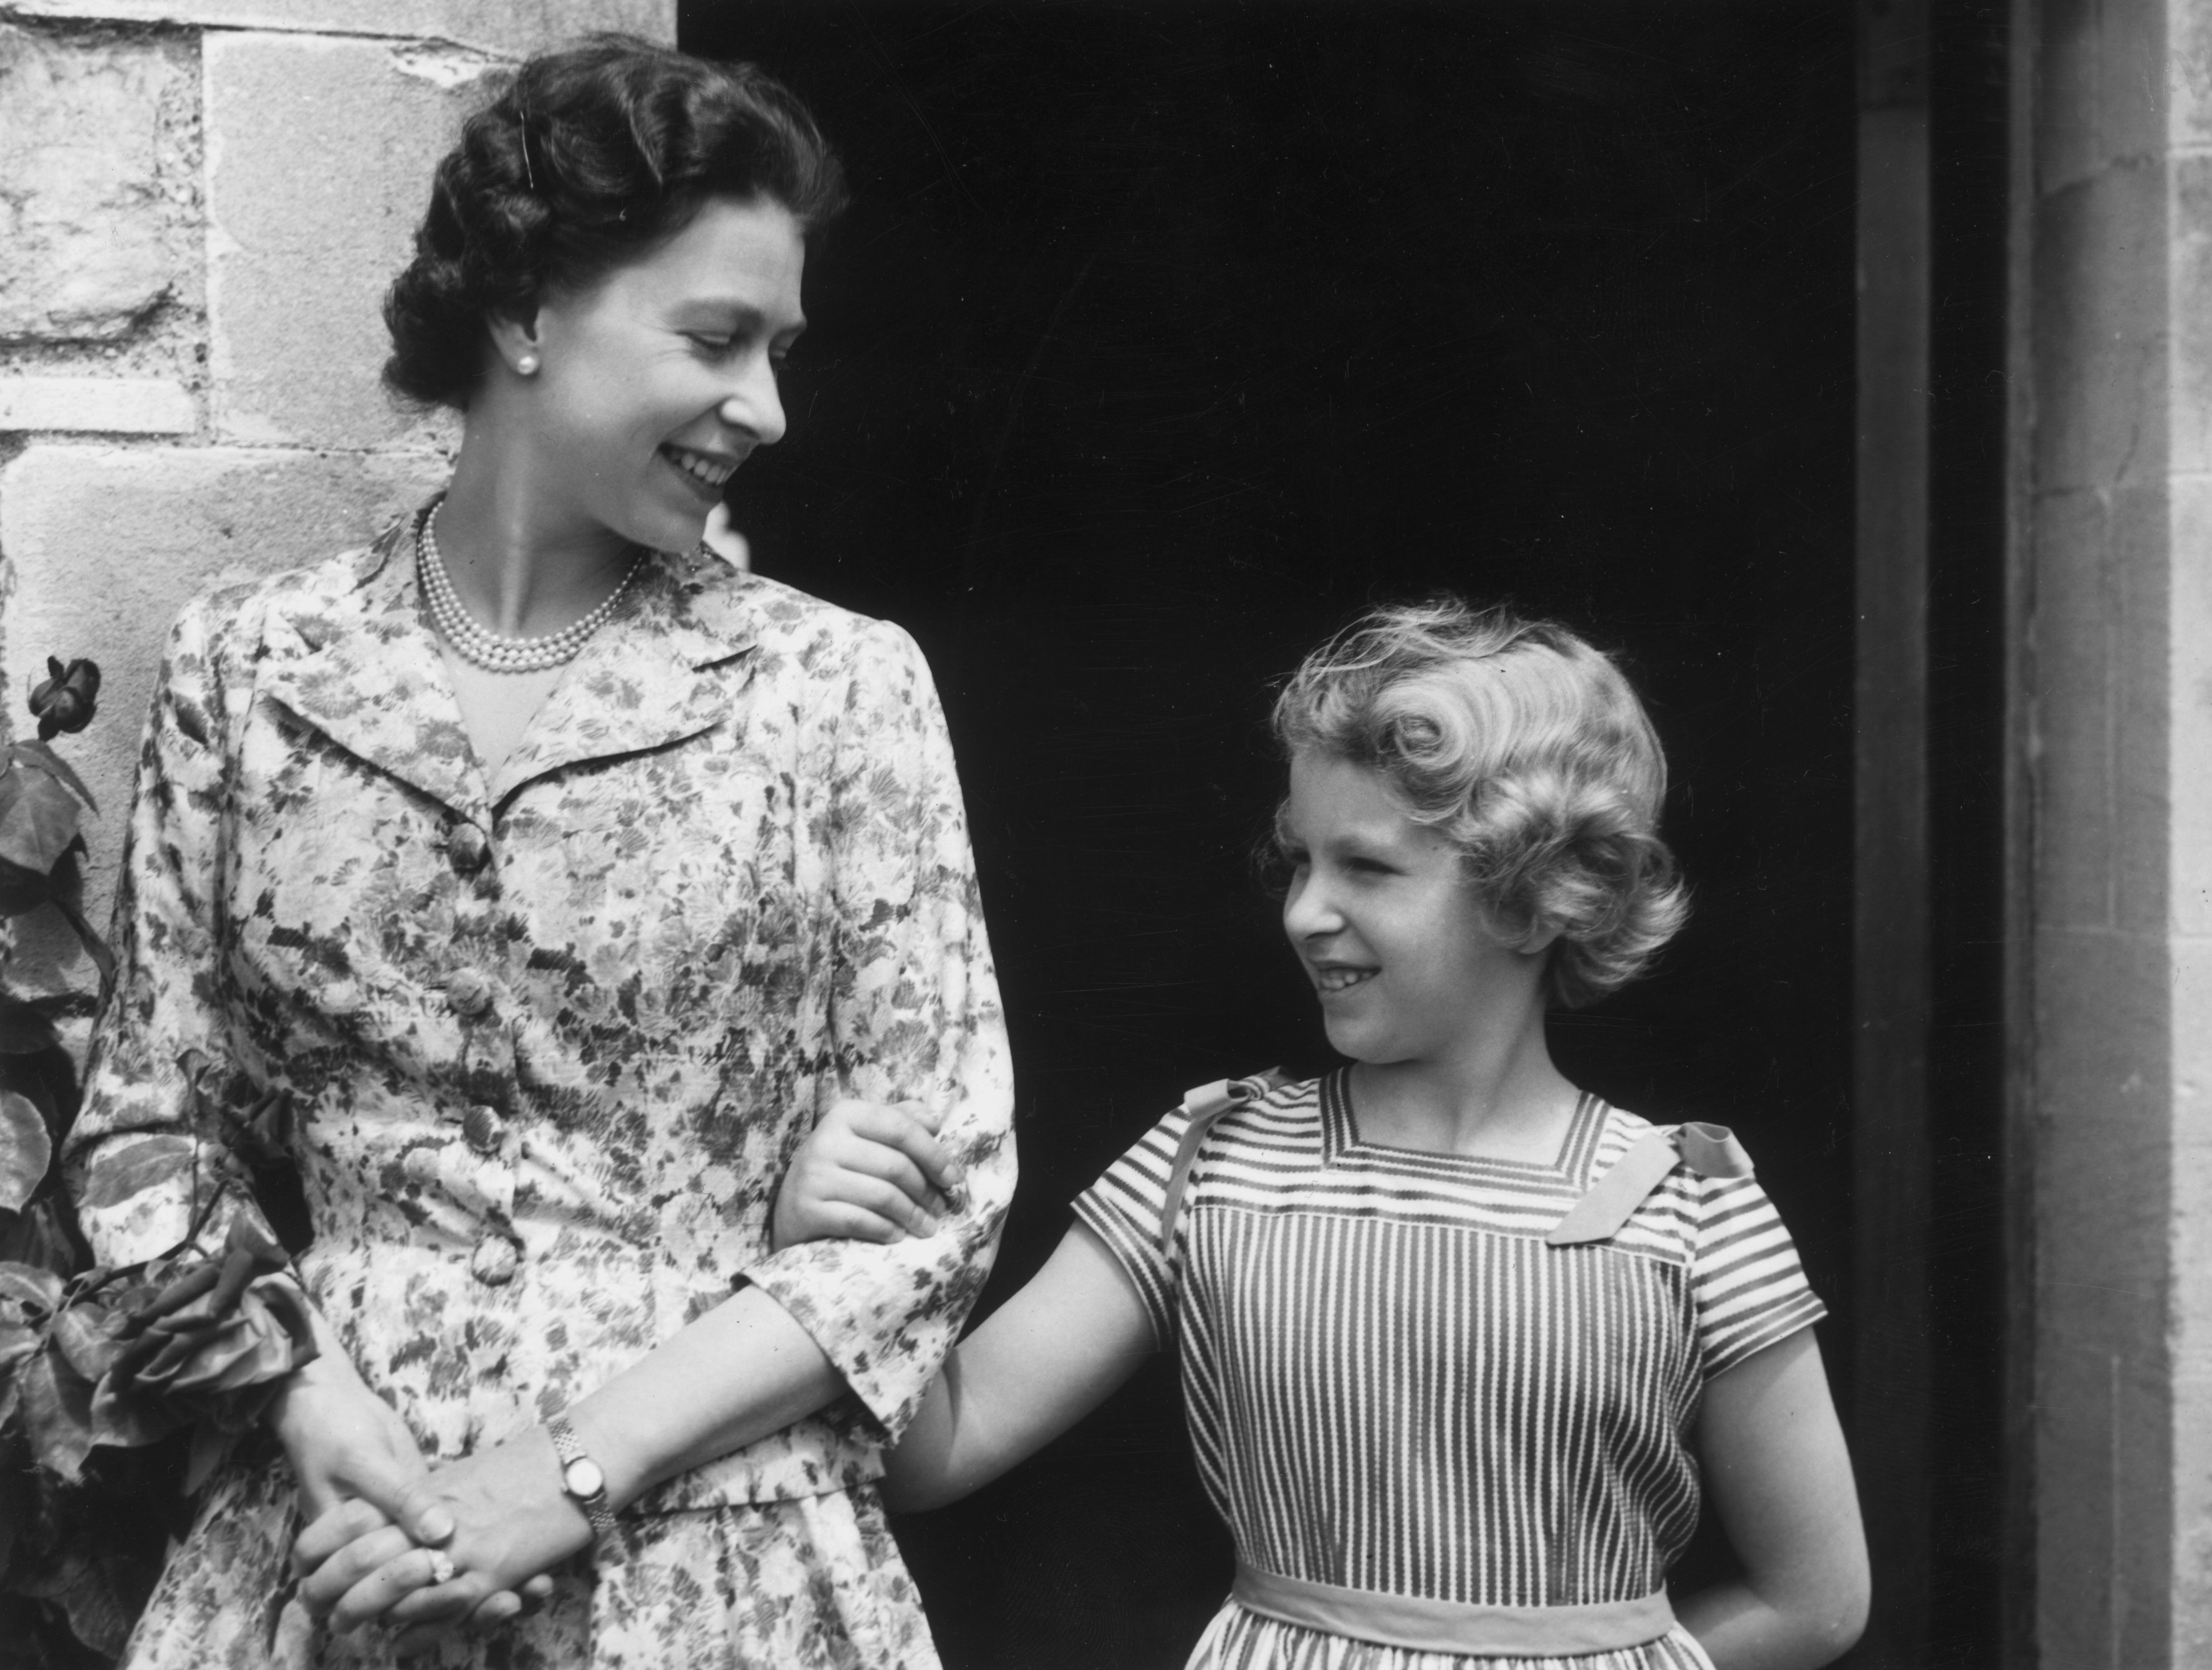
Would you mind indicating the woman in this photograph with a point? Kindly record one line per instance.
(552, 877)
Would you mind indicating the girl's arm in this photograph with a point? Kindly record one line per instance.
(1043, 1360)
(1780, 1477)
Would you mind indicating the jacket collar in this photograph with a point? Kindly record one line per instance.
(356, 661)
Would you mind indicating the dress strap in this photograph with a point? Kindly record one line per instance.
(1453, 1626)
(1205, 1105)
(1709, 1151)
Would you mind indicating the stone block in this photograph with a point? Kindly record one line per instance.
(2104, 1491)
(107, 405)
(93, 238)
(2193, 1498)
(106, 543)
(2099, 302)
(2134, 89)
(2075, 1497)
(2065, 128)
(2189, 683)
(2189, 67)
(2104, 1138)
(2191, 307)
(319, 157)
(2140, 558)
(2072, 713)
(2189, 957)
(514, 26)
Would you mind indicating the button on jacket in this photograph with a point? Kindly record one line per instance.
(549, 1039)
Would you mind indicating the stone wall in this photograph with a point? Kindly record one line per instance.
(2114, 689)
(200, 205)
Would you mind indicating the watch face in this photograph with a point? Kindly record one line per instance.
(583, 1478)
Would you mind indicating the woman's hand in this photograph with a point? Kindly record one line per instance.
(500, 1517)
(345, 1443)
(356, 1464)
(866, 1172)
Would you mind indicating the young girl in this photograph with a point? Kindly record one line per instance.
(1459, 1342)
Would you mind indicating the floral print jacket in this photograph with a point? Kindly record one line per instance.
(542, 1046)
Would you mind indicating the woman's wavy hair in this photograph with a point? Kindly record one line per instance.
(588, 157)
(1526, 749)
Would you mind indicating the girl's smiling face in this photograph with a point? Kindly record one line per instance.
(658, 381)
(1382, 916)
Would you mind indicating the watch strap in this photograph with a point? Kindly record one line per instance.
(570, 1449)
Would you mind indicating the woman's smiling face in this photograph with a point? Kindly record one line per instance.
(658, 381)
(1379, 913)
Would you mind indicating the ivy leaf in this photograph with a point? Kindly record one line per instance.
(102, 1590)
(210, 1443)
(15, 1496)
(37, 820)
(121, 1419)
(26, 1029)
(90, 1336)
(17, 1341)
(26, 1150)
(57, 1411)
(22, 890)
(31, 1287)
(38, 754)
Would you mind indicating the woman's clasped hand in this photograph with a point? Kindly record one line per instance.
(428, 1552)
(482, 1533)
(382, 1530)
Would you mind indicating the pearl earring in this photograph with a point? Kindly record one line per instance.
(527, 365)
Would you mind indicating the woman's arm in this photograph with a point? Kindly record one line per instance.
(1779, 1477)
(740, 1372)
(1043, 1360)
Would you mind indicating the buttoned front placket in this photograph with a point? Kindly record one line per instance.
(481, 1000)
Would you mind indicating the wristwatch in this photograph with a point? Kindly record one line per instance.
(581, 1480)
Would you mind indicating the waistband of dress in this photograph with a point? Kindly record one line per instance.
(1454, 1626)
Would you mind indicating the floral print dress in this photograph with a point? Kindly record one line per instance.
(541, 1046)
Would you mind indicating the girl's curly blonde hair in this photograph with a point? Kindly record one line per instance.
(1526, 749)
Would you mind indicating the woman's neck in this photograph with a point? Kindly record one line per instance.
(522, 565)
(1496, 1095)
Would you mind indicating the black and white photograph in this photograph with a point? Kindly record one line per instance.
(1105, 834)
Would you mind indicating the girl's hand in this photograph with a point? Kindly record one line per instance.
(500, 1517)
(868, 1172)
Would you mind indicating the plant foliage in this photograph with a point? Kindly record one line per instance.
(119, 1389)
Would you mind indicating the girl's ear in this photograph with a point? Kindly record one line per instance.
(515, 339)
(1541, 939)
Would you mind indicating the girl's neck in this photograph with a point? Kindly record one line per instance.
(520, 562)
(1498, 1097)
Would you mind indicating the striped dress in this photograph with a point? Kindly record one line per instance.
(1394, 1385)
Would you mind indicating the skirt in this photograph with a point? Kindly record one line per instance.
(1241, 1640)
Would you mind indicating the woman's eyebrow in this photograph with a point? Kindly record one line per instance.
(741, 314)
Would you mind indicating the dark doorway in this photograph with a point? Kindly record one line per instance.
(1161, 337)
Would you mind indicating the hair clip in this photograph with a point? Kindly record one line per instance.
(529, 173)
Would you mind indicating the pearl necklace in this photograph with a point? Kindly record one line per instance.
(492, 651)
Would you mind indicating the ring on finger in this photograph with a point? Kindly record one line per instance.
(441, 1566)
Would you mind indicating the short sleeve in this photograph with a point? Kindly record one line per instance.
(1748, 1288)
(1124, 1208)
